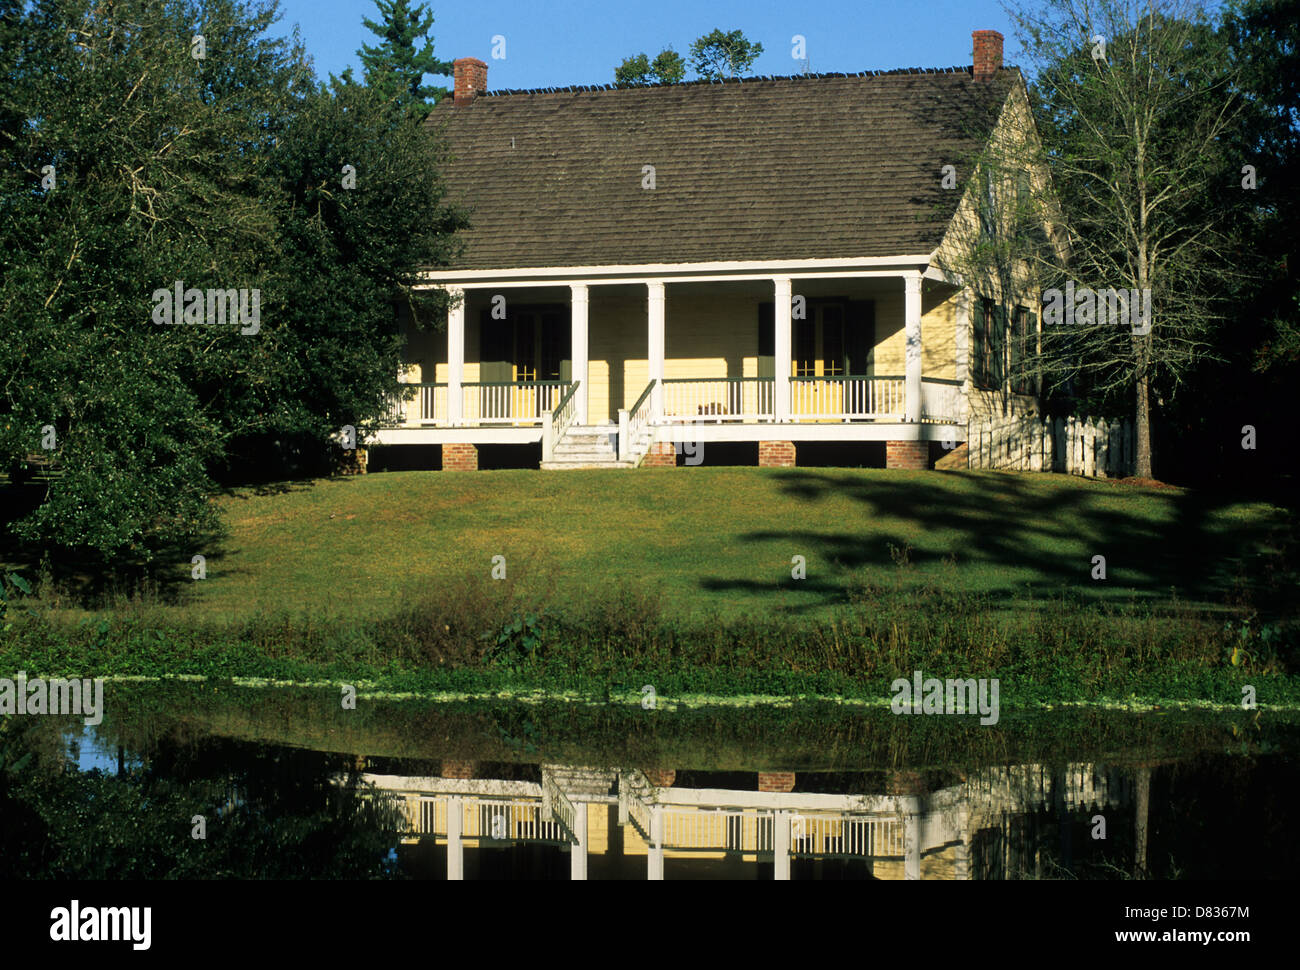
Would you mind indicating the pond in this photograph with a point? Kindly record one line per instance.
(214, 781)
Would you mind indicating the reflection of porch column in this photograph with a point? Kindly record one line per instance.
(578, 852)
(961, 864)
(578, 350)
(455, 847)
(655, 857)
(1141, 813)
(911, 838)
(912, 329)
(782, 350)
(781, 844)
(655, 348)
(455, 357)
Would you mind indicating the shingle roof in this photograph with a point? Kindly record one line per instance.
(764, 168)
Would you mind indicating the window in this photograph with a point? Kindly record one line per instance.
(1029, 376)
(981, 358)
(988, 205)
(988, 362)
(1019, 350)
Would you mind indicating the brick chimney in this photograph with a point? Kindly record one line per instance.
(987, 57)
(471, 78)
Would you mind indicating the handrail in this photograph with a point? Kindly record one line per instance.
(555, 413)
(557, 423)
(646, 393)
(632, 423)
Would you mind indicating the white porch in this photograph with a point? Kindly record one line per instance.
(697, 374)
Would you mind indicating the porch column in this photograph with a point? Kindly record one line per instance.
(455, 357)
(912, 328)
(578, 350)
(781, 845)
(578, 851)
(655, 350)
(655, 857)
(782, 350)
(455, 846)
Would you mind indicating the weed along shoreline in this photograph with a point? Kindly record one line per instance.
(1288, 702)
(657, 668)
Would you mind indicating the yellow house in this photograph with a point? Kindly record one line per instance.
(754, 261)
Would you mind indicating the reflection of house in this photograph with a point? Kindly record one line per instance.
(631, 825)
(755, 262)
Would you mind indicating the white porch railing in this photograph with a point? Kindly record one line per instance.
(487, 818)
(632, 425)
(511, 402)
(715, 400)
(429, 405)
(854, 835)
(941, 401)
(846, 398)
(729, 829)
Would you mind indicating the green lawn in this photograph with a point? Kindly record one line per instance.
(718, 542)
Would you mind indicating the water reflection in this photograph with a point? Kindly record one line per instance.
(1023, 821)
(120, 801)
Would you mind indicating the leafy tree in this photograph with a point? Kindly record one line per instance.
(132, 165)
(397, 65)
(633, 72)
(714, 56)
(1134, 135)
(719, 55)
(668, 67)
(1264, 40)
(1255, 364)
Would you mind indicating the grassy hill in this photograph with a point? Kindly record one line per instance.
(720, 542)
(611, 575)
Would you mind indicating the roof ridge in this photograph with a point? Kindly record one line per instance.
(581, 88)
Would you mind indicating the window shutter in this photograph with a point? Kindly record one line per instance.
(999, 343)
(1016, 350)
(862, 338)
(1033, 381)
(767, 340)
(496, 346)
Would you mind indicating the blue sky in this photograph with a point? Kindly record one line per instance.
(553, 44)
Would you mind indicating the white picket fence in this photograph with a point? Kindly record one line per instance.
(1073, 446)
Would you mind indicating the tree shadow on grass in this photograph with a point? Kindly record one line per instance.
(1161, 545)
(263, 489)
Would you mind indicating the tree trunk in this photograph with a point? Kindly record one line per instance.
(1142, 429)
